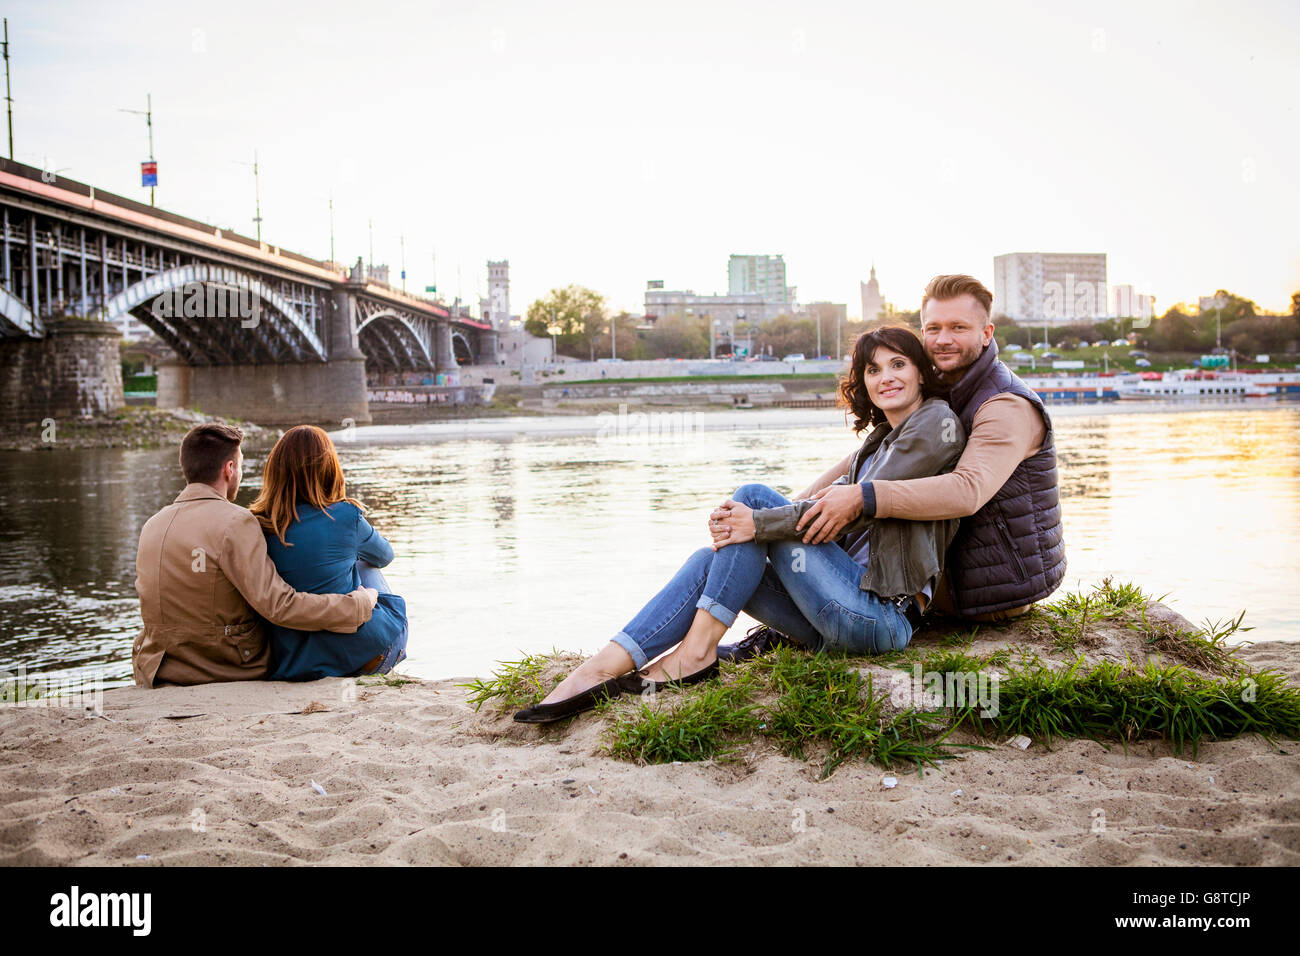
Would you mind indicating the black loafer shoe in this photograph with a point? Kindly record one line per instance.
(546, 713)
(636, 684)
(758, 641)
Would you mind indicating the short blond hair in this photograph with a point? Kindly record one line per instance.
(944, 288)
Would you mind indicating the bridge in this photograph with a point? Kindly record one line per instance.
(259, 332)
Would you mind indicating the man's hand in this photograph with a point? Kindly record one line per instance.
(731, 523)
(372, 596)
(837, 506)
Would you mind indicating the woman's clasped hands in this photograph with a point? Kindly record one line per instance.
(731, 523)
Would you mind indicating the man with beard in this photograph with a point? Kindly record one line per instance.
(202, 571)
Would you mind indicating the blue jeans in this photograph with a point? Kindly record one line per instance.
(810, 593)
(372, 577)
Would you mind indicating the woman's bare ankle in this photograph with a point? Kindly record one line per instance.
(592, 671)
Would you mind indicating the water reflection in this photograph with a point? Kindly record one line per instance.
(516, 544)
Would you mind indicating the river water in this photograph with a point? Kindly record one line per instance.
(520, 535)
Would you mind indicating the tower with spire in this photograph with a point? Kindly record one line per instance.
(872, 301)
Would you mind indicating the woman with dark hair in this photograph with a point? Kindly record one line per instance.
(320, 542)
(863, 593)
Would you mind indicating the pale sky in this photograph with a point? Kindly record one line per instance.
(610, 143)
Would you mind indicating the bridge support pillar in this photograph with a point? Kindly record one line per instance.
(488, 346)
(330, 394)
(341, 336)
(444, 358)
(74, 372)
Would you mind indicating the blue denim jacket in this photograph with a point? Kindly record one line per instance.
(324, 547)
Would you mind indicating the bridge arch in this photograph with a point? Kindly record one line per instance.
(393, 340)
(461, 348)
(196, 340)
(16, 315)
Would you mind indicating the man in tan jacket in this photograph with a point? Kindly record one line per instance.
(202, 571)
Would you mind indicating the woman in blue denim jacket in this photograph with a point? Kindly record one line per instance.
(320, 542)
(861, 594)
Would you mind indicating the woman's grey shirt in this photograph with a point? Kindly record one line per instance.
(904, 556)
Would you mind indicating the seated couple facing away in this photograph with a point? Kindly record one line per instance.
(287, 589)
(950, 505)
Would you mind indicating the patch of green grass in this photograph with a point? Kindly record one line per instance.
(700, 726)
(1106, 599)
(913, 736)
(1114, 701)
(1121, 597)
(822, 699)
(998, 658)
(1068, 617)
(959, 639)
(899, 660)
(950, 661)
(815, 702)
(1205, 647)
(516, 684)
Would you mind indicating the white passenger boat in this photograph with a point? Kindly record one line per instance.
(1193, 383)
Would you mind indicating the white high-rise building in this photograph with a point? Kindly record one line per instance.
(758, 275)
(1128, 303)
(1050, 288)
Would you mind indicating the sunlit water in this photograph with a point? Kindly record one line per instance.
(529, 536)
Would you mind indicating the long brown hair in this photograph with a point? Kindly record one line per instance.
(303, 466)
(853, 387)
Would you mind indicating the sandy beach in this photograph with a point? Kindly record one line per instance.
(335, 773)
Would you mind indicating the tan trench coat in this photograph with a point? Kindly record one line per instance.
(201, 571)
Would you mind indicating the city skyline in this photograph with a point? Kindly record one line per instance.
(1157, 137)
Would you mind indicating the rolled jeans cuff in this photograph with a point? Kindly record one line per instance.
(639, 659)
(706, 603)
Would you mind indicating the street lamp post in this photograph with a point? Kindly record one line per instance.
(9, 96)
(147, 113)
(257, 194)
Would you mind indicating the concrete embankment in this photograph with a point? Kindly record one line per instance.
(787, 393)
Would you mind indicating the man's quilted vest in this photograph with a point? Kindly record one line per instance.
(1011, 552)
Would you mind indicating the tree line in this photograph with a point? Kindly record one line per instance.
(584, 328)
(1235, 321)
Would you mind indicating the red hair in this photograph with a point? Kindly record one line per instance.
(303, 466)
